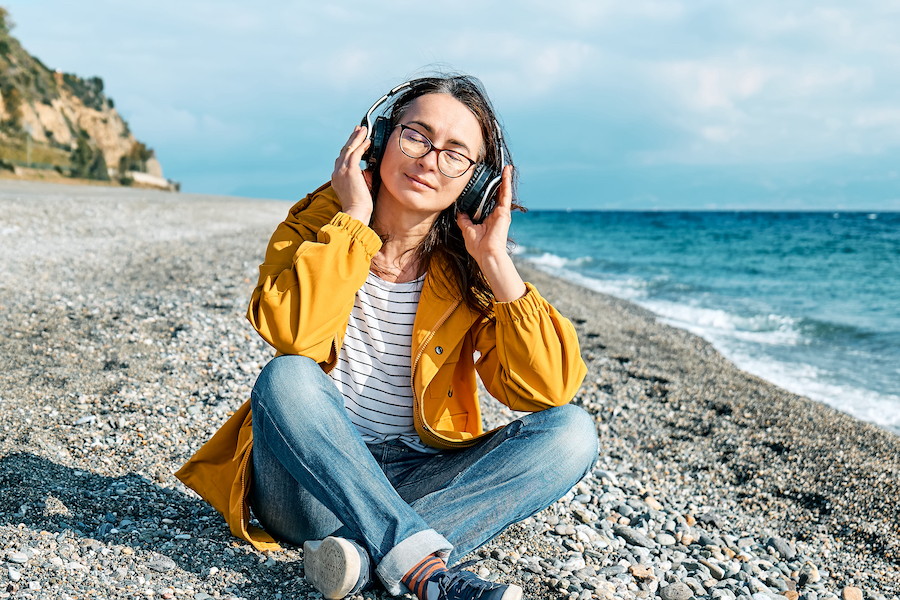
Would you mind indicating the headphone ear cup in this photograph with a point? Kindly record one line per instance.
(479, 196)
(379, 136)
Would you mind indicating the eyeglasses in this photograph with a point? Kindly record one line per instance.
(415, 145)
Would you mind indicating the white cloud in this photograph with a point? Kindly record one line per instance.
(652, 81)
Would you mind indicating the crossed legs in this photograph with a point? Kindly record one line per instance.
(313, 476)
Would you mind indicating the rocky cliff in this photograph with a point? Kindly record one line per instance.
(55, 120)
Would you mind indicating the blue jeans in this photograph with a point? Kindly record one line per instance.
(313, 476)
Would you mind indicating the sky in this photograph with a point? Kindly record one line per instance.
(629, 104)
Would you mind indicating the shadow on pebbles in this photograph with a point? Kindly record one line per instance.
(123, 346)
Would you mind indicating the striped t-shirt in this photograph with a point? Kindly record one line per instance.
(373, 369)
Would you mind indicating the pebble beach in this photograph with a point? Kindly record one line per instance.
(124, 346)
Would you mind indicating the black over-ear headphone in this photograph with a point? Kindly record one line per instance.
(479, 196)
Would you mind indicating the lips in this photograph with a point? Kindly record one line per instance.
(417, 182)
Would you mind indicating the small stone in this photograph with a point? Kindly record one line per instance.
(809, 574)
(34, 585)
(676, 591)
(202, 596)
(642, 571)
(19, 558)
(483, 572)
(161, 563)
(634, 537)
(712, 519)
(653, 503)
(714, 569)
(14, 575)
(664, 539)
(574, 563)
(852, 593)
(690, 520)
(781, 547)
(791, 595)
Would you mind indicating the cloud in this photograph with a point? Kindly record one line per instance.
(644, 85)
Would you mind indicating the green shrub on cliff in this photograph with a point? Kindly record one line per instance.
(136, 159)
(88, 161)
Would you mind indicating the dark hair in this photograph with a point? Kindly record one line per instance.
(445, 239)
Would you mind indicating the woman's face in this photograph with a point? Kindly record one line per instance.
(416, 184)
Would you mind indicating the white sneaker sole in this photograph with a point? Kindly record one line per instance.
(332, 566)
(513, 592)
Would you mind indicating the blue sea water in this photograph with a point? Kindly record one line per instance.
(807, 301)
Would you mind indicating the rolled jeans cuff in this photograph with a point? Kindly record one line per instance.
(407, 554)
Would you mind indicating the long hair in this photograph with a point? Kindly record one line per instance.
(444, 239)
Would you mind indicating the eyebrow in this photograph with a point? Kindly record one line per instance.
(453, 142)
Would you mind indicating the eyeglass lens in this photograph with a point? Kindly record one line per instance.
(415, 145)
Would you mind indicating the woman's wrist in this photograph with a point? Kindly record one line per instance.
(503, 277)
(360, 213)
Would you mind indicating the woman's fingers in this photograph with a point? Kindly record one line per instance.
(504, 194)
(356, 144)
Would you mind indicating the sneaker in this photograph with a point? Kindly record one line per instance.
(463, 585)
(335, 566)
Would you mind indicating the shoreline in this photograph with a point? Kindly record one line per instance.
(587, 282)
(123, 345)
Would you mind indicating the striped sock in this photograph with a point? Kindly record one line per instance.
(419, 575)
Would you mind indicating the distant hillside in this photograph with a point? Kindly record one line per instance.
(59, 121)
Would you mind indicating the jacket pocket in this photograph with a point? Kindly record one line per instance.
(440, 387)
(454, 422)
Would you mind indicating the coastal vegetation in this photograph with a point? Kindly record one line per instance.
(62, 124)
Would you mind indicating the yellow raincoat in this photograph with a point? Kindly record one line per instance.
(525, 352)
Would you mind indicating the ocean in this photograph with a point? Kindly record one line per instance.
(809, 301)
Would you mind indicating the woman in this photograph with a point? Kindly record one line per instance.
(365, 430)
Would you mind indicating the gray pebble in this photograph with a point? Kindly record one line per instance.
(676, 591)
(665, 539)
(634, 537)
(782, 547)
(161, 563)
(19, 558)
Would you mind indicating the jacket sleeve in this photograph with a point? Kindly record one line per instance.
(530, 358)
(316, 261)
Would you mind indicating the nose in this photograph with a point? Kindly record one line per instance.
(429, 160)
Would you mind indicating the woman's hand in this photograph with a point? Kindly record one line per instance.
(350, 183)
(486, 243)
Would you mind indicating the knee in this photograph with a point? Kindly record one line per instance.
(575, 436)
(285, 379)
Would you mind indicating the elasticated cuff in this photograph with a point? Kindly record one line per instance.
(516, 310)
(357, 230)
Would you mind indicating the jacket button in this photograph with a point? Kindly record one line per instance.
(439, 350)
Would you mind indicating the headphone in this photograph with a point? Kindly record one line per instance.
(478, 198)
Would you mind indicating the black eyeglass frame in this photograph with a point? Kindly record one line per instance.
(432, 147)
